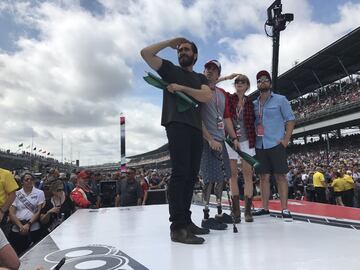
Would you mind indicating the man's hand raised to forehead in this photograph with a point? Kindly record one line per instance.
(175, 42)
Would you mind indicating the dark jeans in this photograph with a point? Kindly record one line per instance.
(22, 242)
(185, 148)
(348, 197)
(320, 195)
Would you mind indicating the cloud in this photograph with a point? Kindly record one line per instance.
(75, 70)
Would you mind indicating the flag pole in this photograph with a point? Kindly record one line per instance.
(62, 148)
(32, 144)
(122, 144)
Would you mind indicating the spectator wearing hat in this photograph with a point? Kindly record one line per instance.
(215, 163)
(8, 187)
(58, 208)
(82, 195)
(184, 131)
(24, 214)
(274, 124)
(155, 182)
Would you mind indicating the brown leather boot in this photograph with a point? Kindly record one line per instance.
(236, 208)
(248, 204)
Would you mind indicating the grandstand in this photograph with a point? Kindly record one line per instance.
(37, 163)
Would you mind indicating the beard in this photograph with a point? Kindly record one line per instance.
(186, 61)
(264, 89)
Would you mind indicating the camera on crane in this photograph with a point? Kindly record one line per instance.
(277, 20)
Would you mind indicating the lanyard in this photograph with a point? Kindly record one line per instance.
(216, 102)
(261, 108)
(239, 110)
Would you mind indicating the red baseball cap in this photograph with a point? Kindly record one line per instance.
(83, 175)
(263, 73)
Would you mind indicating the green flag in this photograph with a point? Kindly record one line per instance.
(248, 158)
(21, 145)
(183, 102)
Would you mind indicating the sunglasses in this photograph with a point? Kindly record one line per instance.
(240, 81)
(59, 190)
(263, 80)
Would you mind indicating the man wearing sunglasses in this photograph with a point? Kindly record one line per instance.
(274, 124)
(183, 130)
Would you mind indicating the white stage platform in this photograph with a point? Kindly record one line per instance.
(138, 238)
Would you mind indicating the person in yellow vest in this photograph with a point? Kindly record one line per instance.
(8, 187)
(319, 185)
(338, 185)
(348, 194)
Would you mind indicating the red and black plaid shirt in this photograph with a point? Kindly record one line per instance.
(249, 116)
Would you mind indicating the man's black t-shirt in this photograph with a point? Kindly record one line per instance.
(175, 74)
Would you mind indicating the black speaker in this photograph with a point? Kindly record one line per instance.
(107, 193)
(156, 196)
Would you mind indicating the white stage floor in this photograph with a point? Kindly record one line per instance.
(138, 238)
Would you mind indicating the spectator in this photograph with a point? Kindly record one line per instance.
(155, 182)
(338, 185)
(82, 195)
(319, 185)
(24, 214)
(8, 187)
(129, 191)
(58, 208)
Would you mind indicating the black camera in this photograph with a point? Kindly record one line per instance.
(276, 19)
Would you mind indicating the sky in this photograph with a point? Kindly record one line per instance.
(69, 68)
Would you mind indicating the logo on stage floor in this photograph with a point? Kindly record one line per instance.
(98, 257)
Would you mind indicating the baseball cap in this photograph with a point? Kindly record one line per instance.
(213, 62)
(83, 174)
(263, 73)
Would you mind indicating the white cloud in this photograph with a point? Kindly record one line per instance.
(79, 72)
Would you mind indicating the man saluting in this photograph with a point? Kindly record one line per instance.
(183, 130)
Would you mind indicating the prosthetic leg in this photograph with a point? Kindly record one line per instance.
(207, 222)
(221, 217)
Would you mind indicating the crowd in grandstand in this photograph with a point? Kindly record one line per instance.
(337, 94)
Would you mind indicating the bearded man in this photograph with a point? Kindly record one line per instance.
(184, 132)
